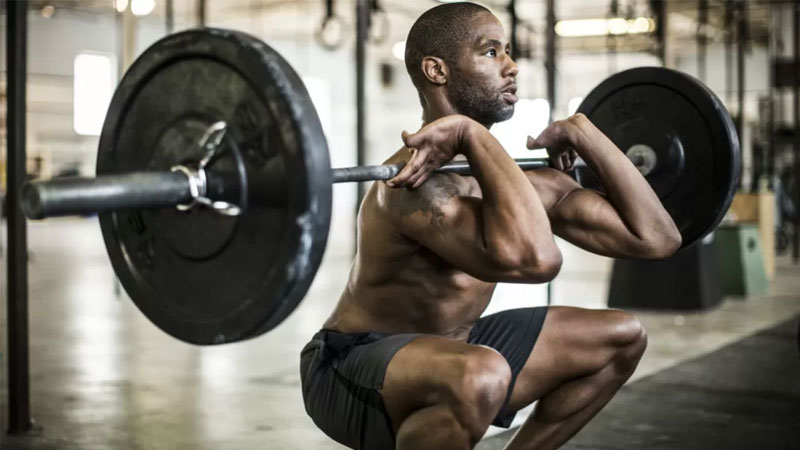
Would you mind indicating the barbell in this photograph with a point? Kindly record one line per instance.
(213, 182)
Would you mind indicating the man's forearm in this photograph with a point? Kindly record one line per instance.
(514, 219)
(637, 203)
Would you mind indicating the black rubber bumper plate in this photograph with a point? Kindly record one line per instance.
(655, 112)
(202, 277)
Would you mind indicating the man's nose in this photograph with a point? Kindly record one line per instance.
(511, 68)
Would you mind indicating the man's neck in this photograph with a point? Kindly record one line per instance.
(437, 110)
(429, 116)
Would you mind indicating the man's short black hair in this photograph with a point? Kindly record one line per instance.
(439, 32)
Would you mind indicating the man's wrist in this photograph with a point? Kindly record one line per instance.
(579, 126)
(467, 134)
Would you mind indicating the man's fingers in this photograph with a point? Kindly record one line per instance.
(573, 156)
(535, 143)
(557, 162)
(422, 179)
(424, 168)
(567, 162)
(413, 181)
(405, 173)
(411, 140)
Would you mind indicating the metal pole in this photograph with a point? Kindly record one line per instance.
(796, 153)
(771, 57)
(702, 40)
(75, 195)
(512, 11)
(728, 50)
(661, 30)
(611, 40)
(362, 19)
(550, 66)
(385, 172)
(66, 196)
(201, 13)
(170, 15)
(19, 415)
(550, 56)
(780, 50)
(741, 47)
(129, 23)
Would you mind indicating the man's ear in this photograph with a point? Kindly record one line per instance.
(435, 70)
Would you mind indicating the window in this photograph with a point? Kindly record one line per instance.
(531, 117)
(94, 81)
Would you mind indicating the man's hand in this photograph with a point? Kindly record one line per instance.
(431, 146)
(558, 139)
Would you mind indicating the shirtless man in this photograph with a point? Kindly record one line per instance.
(405, 360)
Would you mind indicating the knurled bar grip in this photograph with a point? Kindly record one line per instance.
(139, 190)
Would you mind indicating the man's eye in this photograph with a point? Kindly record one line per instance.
(492, 52)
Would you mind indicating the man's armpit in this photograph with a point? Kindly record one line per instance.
(428, 200)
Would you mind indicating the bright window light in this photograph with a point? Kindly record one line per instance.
(531, 117)
(142, 7)
(121, 5)
(574, 103)
(319, 90)
(601, 27)
(399, 50)
(94, 80)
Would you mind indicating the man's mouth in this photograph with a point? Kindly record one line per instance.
(509, 93)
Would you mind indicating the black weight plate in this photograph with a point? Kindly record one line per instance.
(689, 130)
(199, 276)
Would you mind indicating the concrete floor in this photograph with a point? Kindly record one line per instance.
(744, 396)
(103, 377)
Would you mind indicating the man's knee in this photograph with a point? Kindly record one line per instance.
(479, 388)
(629, 338)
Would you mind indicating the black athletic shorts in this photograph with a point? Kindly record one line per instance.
(341, 374)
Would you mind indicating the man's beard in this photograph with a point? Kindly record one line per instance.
(477, 101)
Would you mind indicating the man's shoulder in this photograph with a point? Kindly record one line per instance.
(435, 192)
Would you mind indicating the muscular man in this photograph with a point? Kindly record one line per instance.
(405, 360)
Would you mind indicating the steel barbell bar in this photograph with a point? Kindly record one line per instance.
(141, 190)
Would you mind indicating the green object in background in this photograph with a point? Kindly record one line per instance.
(740, 260)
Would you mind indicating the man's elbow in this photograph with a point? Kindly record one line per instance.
(542, 266)
(661, 246)
(522, 264)
(546, 269)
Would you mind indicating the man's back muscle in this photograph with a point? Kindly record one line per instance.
(397, 284)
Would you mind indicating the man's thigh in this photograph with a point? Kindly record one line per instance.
(572, 343)
(512, 333)
(423, 373)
